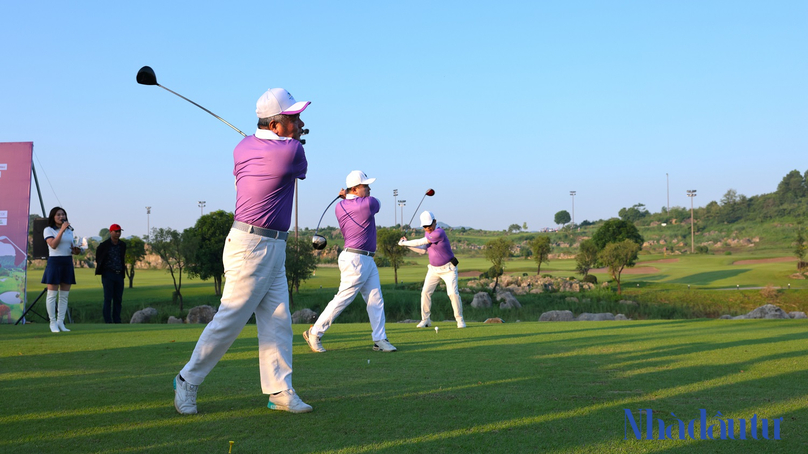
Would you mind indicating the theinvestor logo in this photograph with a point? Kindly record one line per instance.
(697, 428)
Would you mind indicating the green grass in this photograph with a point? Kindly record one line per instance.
(512, 388)
(690, 287)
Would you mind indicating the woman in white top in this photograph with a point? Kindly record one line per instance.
(59, 274)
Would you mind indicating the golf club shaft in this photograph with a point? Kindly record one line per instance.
(206, 110)
(324, 211)
(416, 210)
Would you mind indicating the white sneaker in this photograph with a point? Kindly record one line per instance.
(184, 396)
(461, 323)
(383, 346)
(424, 324)
(288, 401)
(314, 341)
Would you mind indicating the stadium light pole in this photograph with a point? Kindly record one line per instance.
(395, 196)
(148, 233)
(401, 203)
(691, 193)
(572, 193)
(201, 208)
(668, 183)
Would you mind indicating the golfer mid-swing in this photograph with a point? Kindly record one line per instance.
(358, 272)
(442, 265)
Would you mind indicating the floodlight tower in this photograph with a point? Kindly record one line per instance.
(148, 232)
(691, 193)
(572, 193)
(402, 203)
(395, 196)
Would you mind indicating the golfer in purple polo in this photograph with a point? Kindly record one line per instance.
(442, 265)
(358, 272)
(266, 167)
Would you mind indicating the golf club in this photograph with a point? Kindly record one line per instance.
(146, 76)
(430, 193)
(318, 241)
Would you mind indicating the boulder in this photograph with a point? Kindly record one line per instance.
(587, 317)
(796, 314)
(200, 314)
(621, 317)
(144, 315)
(494, 320)
(481, 300)
(508, 300)
(767, 311)
(725, 317)
(556, 316)
(172, 319)
(304, 316)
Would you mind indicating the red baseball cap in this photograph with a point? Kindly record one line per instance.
(114, 227)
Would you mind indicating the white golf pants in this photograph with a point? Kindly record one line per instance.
(434, 274)
(255, 273)
(358, 274)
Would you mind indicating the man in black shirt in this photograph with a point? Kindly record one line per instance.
(110, 265)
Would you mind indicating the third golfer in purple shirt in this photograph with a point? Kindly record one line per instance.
(442, 265)
(358, 272)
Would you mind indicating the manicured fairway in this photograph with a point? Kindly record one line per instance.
(513, 388)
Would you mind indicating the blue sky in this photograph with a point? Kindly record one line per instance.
(503, 108)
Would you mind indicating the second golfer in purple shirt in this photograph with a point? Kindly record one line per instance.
(358, 272)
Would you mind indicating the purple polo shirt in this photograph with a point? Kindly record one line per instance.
(265, 172)
(439, 249)
(356, 217)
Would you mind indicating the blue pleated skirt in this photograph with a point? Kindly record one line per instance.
(59, 270)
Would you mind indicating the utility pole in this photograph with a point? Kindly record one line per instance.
(201, 208)
(692, 193)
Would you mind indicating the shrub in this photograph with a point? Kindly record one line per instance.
(728, 253)
(769, 294)
(381, 261)
(590, 278)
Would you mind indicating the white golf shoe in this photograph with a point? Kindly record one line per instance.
(424, 324)
(461, 323)
(184, 396)
(288, 401)
(383, 346)
(314, 341)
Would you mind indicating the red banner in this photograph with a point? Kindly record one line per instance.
(15, 197)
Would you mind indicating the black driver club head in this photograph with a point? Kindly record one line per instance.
(318, 242)
(146, 76)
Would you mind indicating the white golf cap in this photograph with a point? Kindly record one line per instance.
(356, 178)
(278, 101)
(426, 218)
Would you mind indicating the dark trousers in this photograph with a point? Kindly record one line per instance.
(113, 295)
